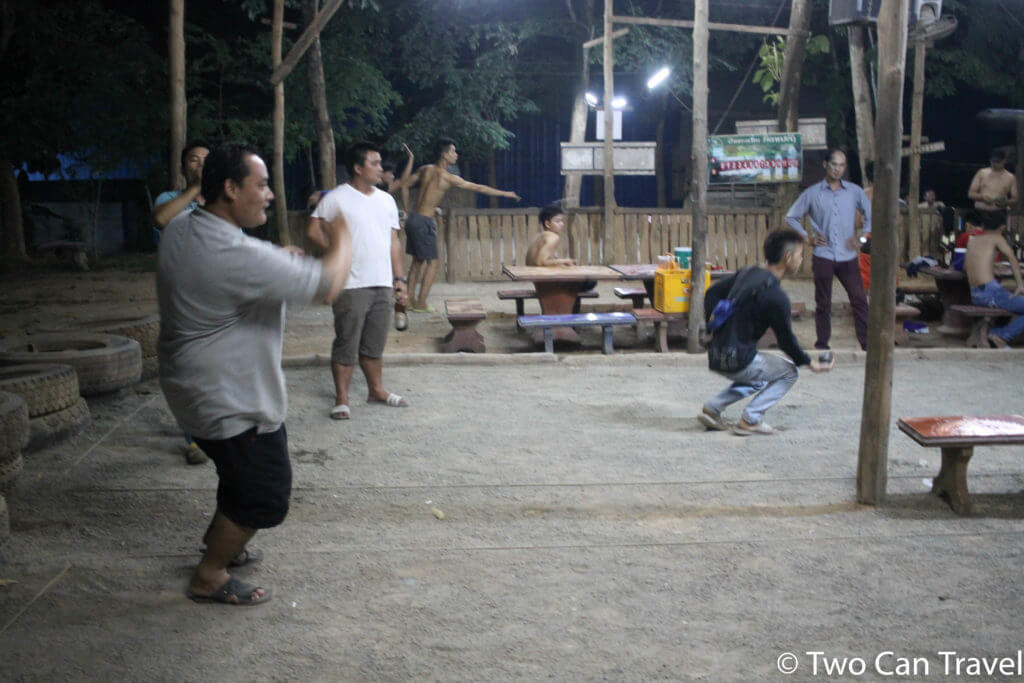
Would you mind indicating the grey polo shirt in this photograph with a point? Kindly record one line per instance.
(222, 298)
(833, 214)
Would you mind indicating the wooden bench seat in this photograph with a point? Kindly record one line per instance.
(464, 312)
(982, 318)
(661, 324)
(519, 295)
(636, 294)
(547, 323)
(957, 436)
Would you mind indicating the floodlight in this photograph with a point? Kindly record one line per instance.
(618, 102)
(591, 99)
(658, 78)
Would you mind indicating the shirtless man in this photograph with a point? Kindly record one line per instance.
(985, 288)
(542, 249)
(421, 228)
(994, 189)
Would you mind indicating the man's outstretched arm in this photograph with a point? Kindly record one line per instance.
(482, 189)
(163, 213)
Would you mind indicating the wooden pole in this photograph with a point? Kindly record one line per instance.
(699, 242)
(176, 69)
(578, 130)
(862, 108)
(280, 204)
(686, 23)
(876, 414)
(609, 132)
(318, 95)
(792, 66)
(916, 113)
(283, 68)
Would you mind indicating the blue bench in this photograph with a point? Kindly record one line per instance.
(548, 322)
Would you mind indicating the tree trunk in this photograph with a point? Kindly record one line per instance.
(876, 415)
(789, 87)
(280, 203)
(611, 236)
(178, 104)
(659, 151)
(578, 130)
(700, 175)
(916, 114)
(318, 95)
(12, 229)
(862, 109)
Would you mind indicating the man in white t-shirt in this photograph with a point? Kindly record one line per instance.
(362, 314)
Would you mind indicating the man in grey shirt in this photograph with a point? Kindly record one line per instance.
(222, 296)
(832, 206)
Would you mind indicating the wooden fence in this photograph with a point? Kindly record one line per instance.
(476, 243)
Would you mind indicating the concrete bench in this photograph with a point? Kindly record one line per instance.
(957, 436)
(547, 323)
(661, 324)
(982, 318)
(519, 295)
(636, 294)
(464, 312)
(67, 250)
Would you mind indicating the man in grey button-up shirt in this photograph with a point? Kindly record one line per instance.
(832, 207)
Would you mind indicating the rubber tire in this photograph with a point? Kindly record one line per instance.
(47, 429)
(46, 388)
(9, 472)
(107, 362)
(5, 521)
(14, 426)
(145, 330)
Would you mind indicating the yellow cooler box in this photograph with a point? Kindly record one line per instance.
(672, 289)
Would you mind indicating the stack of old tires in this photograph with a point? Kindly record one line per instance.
(51, 394)
(145, 330)
(14, 436)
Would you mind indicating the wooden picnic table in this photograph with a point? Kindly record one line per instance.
(677, 324)
(954, 290)
(957, 436)
(557, 288)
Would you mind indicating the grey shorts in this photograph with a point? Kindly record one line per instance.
(421, 237)
(361, 321)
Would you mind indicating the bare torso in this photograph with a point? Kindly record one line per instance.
(978, 260)
(542, 248)
(434, 183)
(995, 188)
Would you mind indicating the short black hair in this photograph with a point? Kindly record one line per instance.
(992, 220)
(998, 154)
(779, 242)
(441, 145)
(355, 155)
(833, 150)
(549, 212)
(226, 162)
(192, 144)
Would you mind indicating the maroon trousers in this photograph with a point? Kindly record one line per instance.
(848, 273)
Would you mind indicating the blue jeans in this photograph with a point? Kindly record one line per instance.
(993, 295)
(769, 376)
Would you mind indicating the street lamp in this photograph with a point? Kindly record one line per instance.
(658, 78)
(619, 102)
(591, 99)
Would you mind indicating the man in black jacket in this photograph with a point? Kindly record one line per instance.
(757, 302)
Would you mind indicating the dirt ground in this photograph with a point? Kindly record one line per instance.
(592, 530)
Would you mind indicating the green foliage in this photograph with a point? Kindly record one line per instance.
(772, 55)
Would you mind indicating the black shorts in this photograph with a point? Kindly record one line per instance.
(421, 237)
(255, 477)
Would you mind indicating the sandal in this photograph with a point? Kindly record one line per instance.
(340, 412)
(762, 428)
(393, 401)
(233, 592)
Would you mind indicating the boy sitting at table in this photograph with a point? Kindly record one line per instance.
(544, 246)
(542, 249)
(985, 287)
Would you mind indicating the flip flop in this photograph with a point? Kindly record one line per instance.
(761, 428)
(393, 400)
(341, 412)
(251, 556)
(233, 592)
(428, 309)
(712, 421)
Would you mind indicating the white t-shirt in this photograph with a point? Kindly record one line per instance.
(371, 218)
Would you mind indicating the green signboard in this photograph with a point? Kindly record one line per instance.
(771, 158)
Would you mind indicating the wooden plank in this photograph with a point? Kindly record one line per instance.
(455, 256)
(495, 271)
(657, 241)
(596, 223)
(519, 231)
